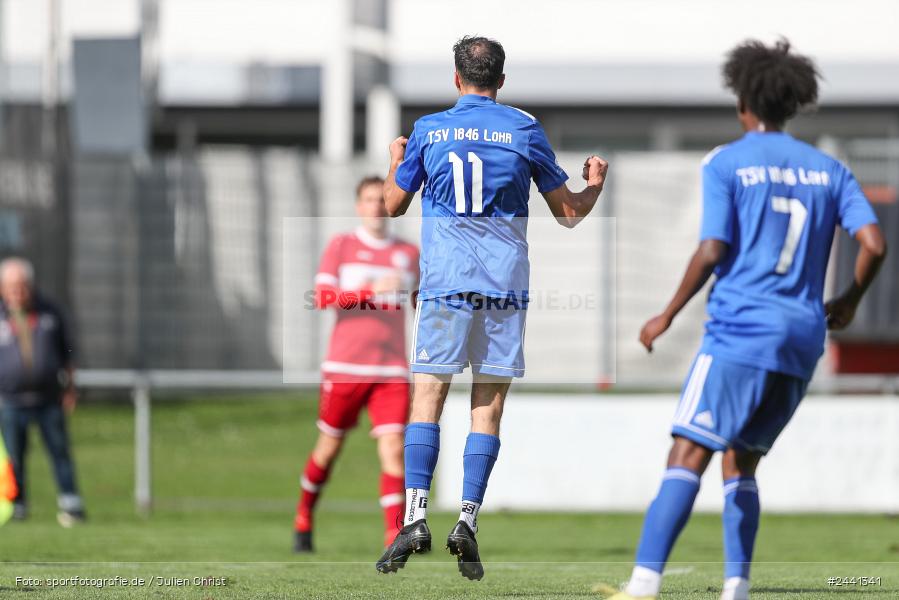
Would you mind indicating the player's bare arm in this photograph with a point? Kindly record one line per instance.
(709, 254)
(872, 250)
(569, 208)
(396, 199)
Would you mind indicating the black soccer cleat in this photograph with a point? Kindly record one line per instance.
(302, 542)
(414, 538)
(464, 547)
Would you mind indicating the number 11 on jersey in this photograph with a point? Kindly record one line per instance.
(477, 183)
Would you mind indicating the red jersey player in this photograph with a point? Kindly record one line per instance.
(366, 276)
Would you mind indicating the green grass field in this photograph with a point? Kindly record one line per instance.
(225, 481)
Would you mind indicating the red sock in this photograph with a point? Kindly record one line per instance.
(393, 499)
(314, 477)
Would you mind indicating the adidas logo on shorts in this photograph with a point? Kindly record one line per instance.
(705, 419)
(423, 355)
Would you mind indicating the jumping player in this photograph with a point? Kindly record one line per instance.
(770, 207)
(362, 276)
(476, 161)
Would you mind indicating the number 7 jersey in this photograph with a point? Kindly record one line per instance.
(476, 161)
(776, 201)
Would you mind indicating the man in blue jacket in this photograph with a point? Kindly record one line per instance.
(36, 384)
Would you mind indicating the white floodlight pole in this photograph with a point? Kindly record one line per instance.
(382, 108)
(336, 106)
(2, 73)
(50, 95)
(382, 118)
(149, 57)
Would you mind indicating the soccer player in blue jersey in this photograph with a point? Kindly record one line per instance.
(476, 161)
(770, 207)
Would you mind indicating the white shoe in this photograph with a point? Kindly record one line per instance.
(611, 593)
(735, 588)
(69, 519)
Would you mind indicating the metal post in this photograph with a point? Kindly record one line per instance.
(149, 47)
(149, 63)
(336, 105)
(382, 123)
(609, 280)
(382, 108)
(50, 95)
(2, 77)
(143, 497)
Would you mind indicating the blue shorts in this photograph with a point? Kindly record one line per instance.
(726, 405)
(452, 332)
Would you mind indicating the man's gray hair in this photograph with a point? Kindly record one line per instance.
(22, 263)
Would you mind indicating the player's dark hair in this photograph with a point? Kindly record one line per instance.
(479, 61)
(770, 81)
(368, 180)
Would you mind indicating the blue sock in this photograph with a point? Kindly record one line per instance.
(666, 517)
(481, 450)
(420, 454)
(741, 523)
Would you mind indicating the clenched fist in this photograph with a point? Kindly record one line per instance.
(595, 169)
(398, 149)
(839, 312)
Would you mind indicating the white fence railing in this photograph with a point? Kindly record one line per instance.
(837, 454)
(142, 384)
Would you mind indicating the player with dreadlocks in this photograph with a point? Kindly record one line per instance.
(771, 204)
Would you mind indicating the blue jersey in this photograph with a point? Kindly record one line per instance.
(476, 160)
(776, 201)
